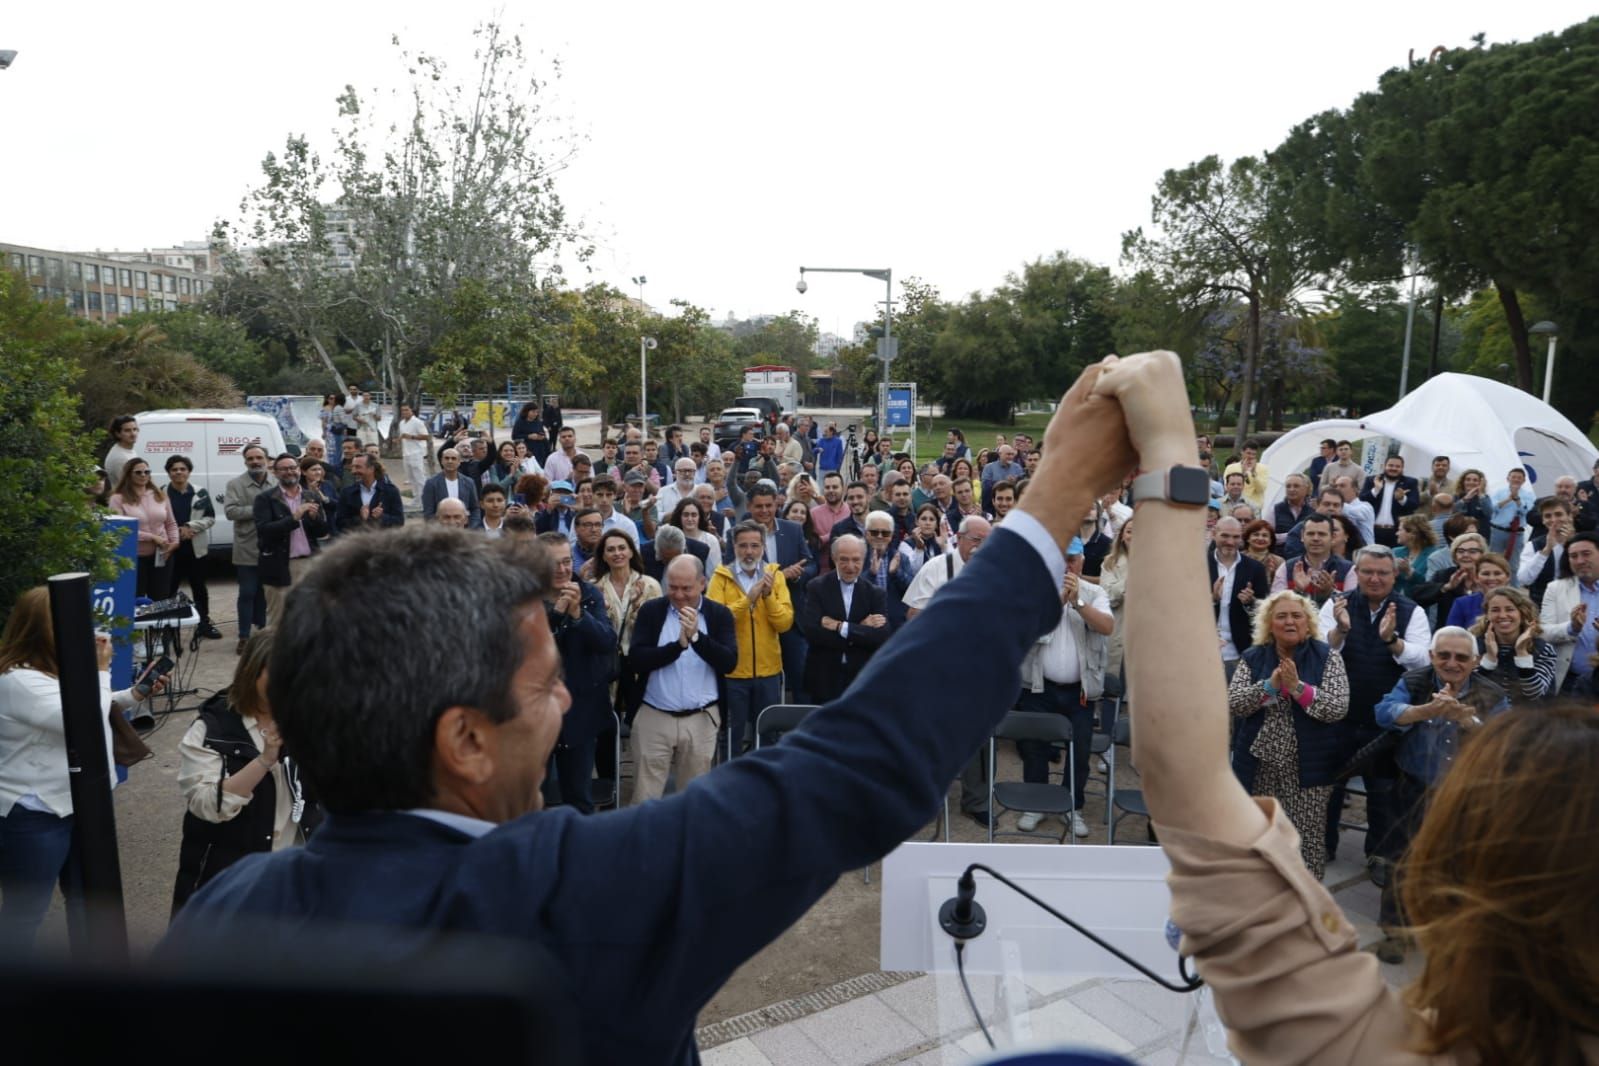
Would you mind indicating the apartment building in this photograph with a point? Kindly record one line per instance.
(107, 285)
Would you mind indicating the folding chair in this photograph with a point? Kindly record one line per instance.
(1044, 798)
(780, 718)
(1125, 801)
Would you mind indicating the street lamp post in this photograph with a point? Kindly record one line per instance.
(639, 281)
(1552, 331)
(645, 346)
(886, 351)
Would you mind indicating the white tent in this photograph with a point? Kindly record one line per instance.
(1476, 422)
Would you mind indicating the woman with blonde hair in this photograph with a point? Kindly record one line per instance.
(137, 496)
(1445, 586)
(1511, 649)
(241, 790)
(1287, 693)
(1496, 886)
(36, 838)
(1113, 579)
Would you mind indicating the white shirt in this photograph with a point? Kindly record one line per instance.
(930, 578)
(1059, 655)
(472, 827)
(1532, 560)
(494, 532)
(688, 683)
(200, 768)
(1360, 513)
(558, 467)
(414, 449)
(33, 746)
(1224, 622)
(1385, 512)
(847, 590)
(1417, 635)
(670, 497)
(452, 487)
(747, 578)
(367, 492)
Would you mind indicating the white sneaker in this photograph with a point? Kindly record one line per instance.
(1028, 821)
(1101, 765)
(1079, 827)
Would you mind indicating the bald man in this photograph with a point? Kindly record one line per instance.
(1237, 582)
(451, 512)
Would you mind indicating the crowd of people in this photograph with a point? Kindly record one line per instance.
(1368, 627)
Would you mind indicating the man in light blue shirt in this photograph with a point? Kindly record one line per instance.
(1511, 504)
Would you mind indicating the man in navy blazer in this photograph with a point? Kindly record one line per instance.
(785, 546)
(370, 500)
(668, 544)
(681, 677)
(430, 766)
(843, 635)
(438, 487)
(587, 643)
(1247, 588)
(1391, 496)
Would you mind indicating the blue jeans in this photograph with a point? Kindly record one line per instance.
(1058, 699)
(252, 601)
(573, 771)
(35, 853)
(747, 697)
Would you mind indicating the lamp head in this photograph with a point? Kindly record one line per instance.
(800, 286)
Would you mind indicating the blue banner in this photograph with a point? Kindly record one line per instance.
(898, 413)
(114, 599)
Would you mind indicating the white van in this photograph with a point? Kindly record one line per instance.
(214, 441)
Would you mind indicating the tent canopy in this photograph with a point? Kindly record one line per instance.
(1478, 423)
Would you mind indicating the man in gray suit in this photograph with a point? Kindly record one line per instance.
(449, 484)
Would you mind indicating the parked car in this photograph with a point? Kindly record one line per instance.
(731, 422)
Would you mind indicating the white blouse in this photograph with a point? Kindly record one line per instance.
(33, 744)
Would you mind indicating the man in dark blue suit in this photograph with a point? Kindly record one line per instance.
(430, 766)
(1392, 496)
(668, 544)
(371, 500)
(587, 643)
(845, 619)
(1237, 584)
(785, 546)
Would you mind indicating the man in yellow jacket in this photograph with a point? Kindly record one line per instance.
(757, 594)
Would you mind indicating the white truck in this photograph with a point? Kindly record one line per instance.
(777, 383)
(213, 441)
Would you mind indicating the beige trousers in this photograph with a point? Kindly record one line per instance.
(665, 742)
(276, 594)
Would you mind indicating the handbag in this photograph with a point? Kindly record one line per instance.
(127, 748)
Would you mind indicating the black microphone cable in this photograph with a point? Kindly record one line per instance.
(963, 919)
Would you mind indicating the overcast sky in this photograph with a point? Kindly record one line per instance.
(724, 145)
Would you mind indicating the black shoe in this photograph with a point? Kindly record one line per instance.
(1379, 870)
(982, 818)
(209, 631)
(1391, 950)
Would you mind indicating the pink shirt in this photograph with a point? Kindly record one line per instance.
(156, 524)
(299, 544)
(824, 518)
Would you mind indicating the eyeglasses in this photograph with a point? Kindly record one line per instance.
(1453, 656)
(879, 533)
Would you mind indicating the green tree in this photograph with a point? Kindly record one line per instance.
(135, 368)
(786, 340)
(46, 459)
(1225, 235)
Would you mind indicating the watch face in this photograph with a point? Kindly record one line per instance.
(1188, 484)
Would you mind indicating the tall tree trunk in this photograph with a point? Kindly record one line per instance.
(1437, 332)
(677, 403)
(327, 363)
(1246, 388)
(1518, 334)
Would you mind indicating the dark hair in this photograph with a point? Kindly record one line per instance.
(1455, 525)
(1550, 502)
(493, 488)
(605, 483)
(581, 514)
(1342, 443)
(749, 525)
(635, 561)
(244, 453)
(1251, 445)
(1328, 442)
(173, 460)
(360, 717)
(519, 524)
(761, 490)
(1259, 523)
(1353, 540)
(118, 422)
(677, 512)
(856, 485)
(1319, 519)
(526, 408)
(1589, 537)
(1006, 484)
(1329, 489)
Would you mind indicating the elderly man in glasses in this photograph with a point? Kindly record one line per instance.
(1381, 635)
(1432, 706)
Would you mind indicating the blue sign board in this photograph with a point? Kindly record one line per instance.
(114, 599)
(898, 413)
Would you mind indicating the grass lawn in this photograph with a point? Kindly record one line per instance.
(930, 433)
